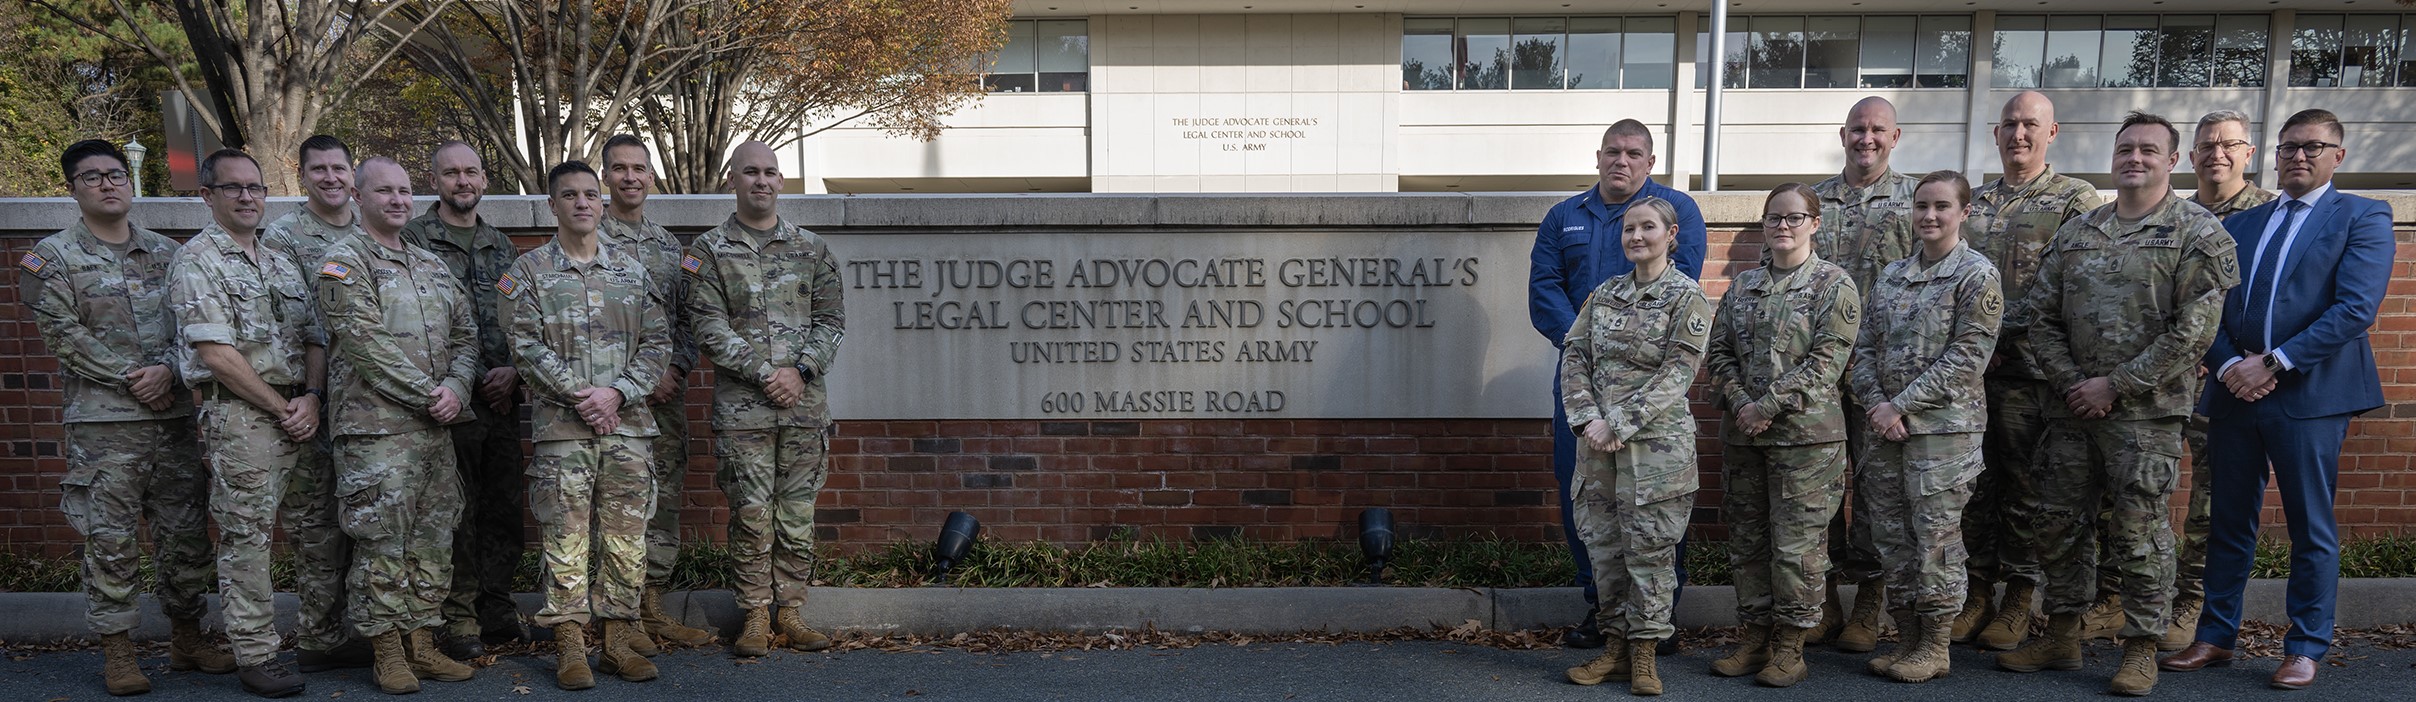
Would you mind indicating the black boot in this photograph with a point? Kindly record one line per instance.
(461, 647)
(1585, 635)
(272, 680)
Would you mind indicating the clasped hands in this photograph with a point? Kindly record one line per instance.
(2249, 379)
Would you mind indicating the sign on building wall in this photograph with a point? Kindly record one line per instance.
(1188, 325)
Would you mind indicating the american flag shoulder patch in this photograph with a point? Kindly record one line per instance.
(33, 262)
(507, 285)
(692, 264)
(335, 270)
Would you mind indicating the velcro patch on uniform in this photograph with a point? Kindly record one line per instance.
(32, 262)
(2161, 243)
(507, 285)
(335, 270)
(692, 264)
(1573, 228)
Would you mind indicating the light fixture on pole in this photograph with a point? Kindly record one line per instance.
(956, 540)
(134, 162)
(1376, 541)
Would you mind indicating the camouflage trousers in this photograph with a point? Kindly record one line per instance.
(1632, 508)
(1850, 547)
(1918, 488)
(591, 498)
(1778, 501)
(2017, 424)
(252, 464)
(2189, 567)
(119, 473)
(492, 534)
(2133, 463)
(771, 478)
(322, 552)
(400, 498)
(670, 463)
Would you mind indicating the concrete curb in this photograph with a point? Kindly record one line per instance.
(44, 616)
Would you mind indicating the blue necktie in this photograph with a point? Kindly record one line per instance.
(2269, 264)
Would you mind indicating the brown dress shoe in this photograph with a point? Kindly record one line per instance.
(2296, 674)
(2200, 654)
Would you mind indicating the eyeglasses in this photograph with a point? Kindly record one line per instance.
(2313, 149)
(2224, 145)
(92, 179)
(1791, 220)
(233, 190)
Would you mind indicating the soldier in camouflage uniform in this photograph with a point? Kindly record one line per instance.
(257, 357)
(629, 174)
(1931, 327)
(2125, 305)
(765, 301)
(487, 545)
(1778, 348)
(2012, 219)
(1624, 370)
(98, 291)
(403, 353)
(2221, 152)
(1864, 226)
(590, 337)
(322, 552)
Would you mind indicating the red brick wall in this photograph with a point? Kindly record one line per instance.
(1181, 479)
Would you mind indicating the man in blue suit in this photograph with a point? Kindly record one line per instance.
(2295, 366)
(1576, 248)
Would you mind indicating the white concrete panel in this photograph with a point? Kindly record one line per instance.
(1829, 107)
(1362, 138)
(1127, 151)
(959, 154)
(1222, 55)
(1267, 39)
(1174, 155)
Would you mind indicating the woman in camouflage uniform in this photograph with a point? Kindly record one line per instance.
(1778, 350)
(1624, 371)
(1917, 366)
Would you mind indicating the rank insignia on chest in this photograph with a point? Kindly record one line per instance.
(335, 270)
(507, 285)
(1618, 323)
(692, 264)
(32, 262)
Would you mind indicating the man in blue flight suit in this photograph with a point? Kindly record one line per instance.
(1576, 248)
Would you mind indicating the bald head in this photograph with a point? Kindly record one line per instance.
(2025, 128)
(1874, 107)
(1869, 137)
(383, 190)
(755, 178)
(380, 170)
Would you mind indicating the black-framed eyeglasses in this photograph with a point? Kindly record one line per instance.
(92, 179)
(2224, 145)
(233, 190)
(2312, 149)
(1790, 220)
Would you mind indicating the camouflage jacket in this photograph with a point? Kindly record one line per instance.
(1783, 340)
(260, 306)
(1863, 229)
(2133, 302)
(1632, 353)
(660, 251)
(478, 258)
(2248, 197)
(104, 316)
(576, 326)
(761, 302)
(1926, 337)
(303, 236)
(399, 327)
(2011, 226)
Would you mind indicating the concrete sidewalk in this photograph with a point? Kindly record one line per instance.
(43, 617)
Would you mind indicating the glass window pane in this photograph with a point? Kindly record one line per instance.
(2407, 53)
(1007, 82)
(1887, 52)
(1945, 52)
(2315, 51)
(1535, 58)
(2185, 51)
(1830, 50)
(1426, 54)
(1064, 45)
(1016, 55)
(2368, 45)
(1739, 44)
(1649, 54)
(2021, 46)
(1777, 56)
(2130, 52)
(1484, 54)
(2072, 44)
(2240, 50)
(1593, 53)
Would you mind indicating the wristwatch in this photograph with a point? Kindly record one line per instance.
(2273, 363)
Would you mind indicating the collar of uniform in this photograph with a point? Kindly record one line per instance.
(2248, 197)
(1602, 210)
(1627, 290)
(2108, 224)
(1836, 188)
(369, 246)
(92, 244)
(2312, 197)
(641, 230)
(1949, 267)
(354, 207)
(1769, 279)
(2036, 185)
(218, 238)
(562, 261)
(741, 234)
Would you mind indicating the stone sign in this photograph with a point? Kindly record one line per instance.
(1188, 325)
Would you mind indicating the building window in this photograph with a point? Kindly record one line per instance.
(2352, 51)
(1842, 52)
(1045, 56)
(1537, 53)
(2130, 51)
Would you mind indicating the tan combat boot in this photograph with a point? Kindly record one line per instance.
(121, 672)
(1786, 666)
(2181, 628)
(641, 642)
(1752, 652)
(390, 666)
(791, 624)
(660, 622)
(1611, 665)
(570, 653)
(1908, 637)
(2103, 620)
(189, 649)
(2012, 623)
(1977, 611)
(429, 661)
(755, 637)
(1863, 627)
(2137, 677)
(618, 658)
(2058, 648)
(1832, 615)
(1928, 660)
(1644, 674)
